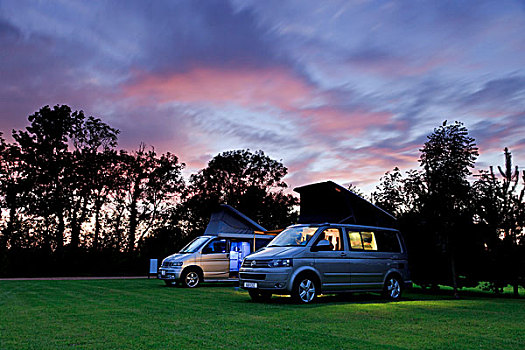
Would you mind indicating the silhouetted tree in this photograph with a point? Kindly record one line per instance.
(150, 186)
(105, 181)
(353, 188)
(446, 159)
(44, 147)
(500, 206)
(14, 190)
(389, 194)
(62, 181)
(93, 141)
(249, 181)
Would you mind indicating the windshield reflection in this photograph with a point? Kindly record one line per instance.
(294, 237)
(194, 245)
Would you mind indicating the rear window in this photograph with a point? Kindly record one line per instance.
(387, 241)
(355, 240)
(369, 240)
(380, 241)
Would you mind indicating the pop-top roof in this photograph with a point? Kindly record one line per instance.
(228, 220)
(329, 202)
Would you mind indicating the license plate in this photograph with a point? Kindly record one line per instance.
(163, 273)
(250, 285)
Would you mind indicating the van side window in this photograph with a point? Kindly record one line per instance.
(333, 235)
(387, 242)
(355, 240)
(214, 247)
(369, 240)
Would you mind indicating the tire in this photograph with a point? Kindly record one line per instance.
(191, 278)
(305, 289)
(393, 288)
(170, 283)
(259, 296)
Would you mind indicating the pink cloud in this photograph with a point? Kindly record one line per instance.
(363, 171)
(273, 86)
(322, 127)
(329, 119)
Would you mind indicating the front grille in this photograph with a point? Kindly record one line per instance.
(258, 263)
(253, 276)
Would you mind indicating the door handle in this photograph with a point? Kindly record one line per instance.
(343, 254)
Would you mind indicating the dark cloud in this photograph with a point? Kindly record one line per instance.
(497, 91)
(210, 33)
(371, 55)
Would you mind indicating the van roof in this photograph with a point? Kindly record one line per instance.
(330, 202)
(360, 227)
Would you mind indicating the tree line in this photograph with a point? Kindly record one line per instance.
(71, 202)
(461, 228)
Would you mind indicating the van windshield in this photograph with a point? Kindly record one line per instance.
(294, 237)
(194, 245)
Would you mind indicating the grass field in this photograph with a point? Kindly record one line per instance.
(143, 313)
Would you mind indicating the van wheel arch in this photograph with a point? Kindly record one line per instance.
(311, 275)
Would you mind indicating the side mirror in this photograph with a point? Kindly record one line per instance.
(322, 246)
(206, 250)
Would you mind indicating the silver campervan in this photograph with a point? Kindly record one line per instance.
(311, 259)
(217, 255)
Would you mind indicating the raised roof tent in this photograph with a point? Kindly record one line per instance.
(230, 221)
(329, 202)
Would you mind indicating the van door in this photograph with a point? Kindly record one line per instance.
(215, 259)
(367, 265)
(332, 264)
(238, 251)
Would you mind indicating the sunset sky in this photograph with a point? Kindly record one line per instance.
(340, 90)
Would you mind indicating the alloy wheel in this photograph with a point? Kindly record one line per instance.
(394, 288)
(192, 279)
(306, 290)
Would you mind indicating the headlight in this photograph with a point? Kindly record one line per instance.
(280, 263)
(178, 263)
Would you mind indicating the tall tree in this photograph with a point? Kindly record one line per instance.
(389, 194)
(500, 206)
(14, 193)
(249, 181)
(44, 146)
(62, 180)
(446, 159)
(150, 186)
(93, 141)
(106, 181)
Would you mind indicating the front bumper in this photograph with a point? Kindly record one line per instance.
(169, 273)
(274, 279)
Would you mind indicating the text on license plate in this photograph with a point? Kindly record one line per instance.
(163, 272)
(250, 285)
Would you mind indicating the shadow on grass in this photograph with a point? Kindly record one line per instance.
(413, 294)
(342, 298)
(470, 293)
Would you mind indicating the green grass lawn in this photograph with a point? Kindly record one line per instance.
(136, 314)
